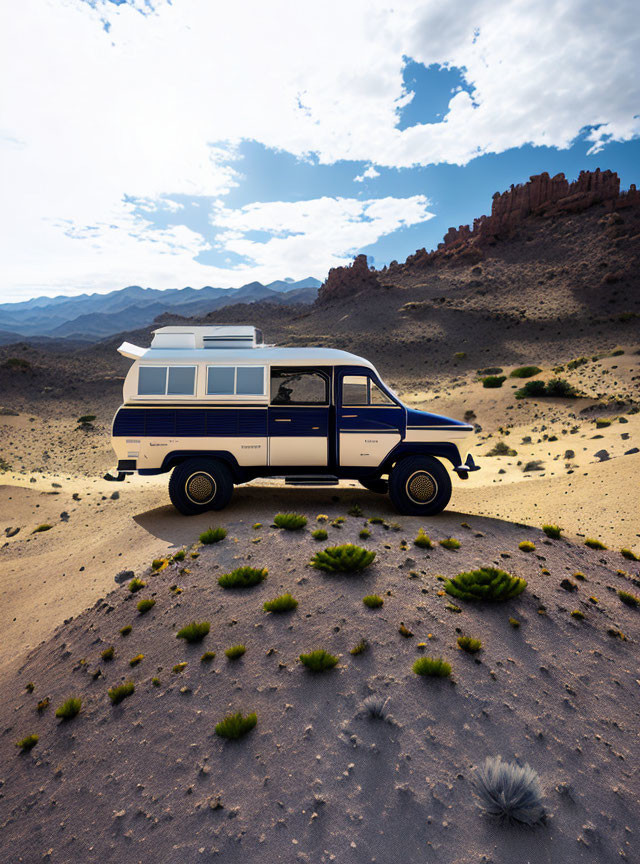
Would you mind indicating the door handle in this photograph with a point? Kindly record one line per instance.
(348, 415)
(282, 419)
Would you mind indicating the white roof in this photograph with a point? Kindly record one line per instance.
(248, 356)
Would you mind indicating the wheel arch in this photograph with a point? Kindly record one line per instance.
(176, 457)
(443, 450)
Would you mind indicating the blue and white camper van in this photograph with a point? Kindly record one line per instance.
(217, 407)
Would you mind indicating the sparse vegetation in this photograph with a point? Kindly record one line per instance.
(27, 743)
(108, 653)
(243, 577)
(364, 534)
(208, 656)
(117, 694)
(16, 363)
(486, 583)
(450, 543)
(501, 448)
(403, 630)
(373, 601)
(514, 623)
(629, 554)
(194, 632)
(471, 646)
(526, 546)
(155, 682)
(525, 372)
(552, 531)
(180, 555)
(136, 585)
(319, 534)
(124, 631)
(137, 659)
(86, 419)
(234, 652)
(42, 705)
(159, 564)
(555, 387)
(509, 792)
(594, 544)
(179, 667)
(629, 599)
(432, 667)
(318, 661)
(145, 606)
(69, 709)
(359, 648)
(284, 603)
(343, 559)
(493, 381)
(577, 614)
(44, 527)
(602, 422)
(423, 541)
(376, 707)
(355, 510)
(234, 726)
(290, 521)
(213, 535)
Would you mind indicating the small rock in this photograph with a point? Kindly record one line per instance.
(115, 496)
(632, 451)
(602, 455)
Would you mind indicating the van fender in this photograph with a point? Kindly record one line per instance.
(175, 457)
(444, 450)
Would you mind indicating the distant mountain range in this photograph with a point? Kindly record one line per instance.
(94, 316)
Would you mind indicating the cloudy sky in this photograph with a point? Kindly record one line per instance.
(208, 142)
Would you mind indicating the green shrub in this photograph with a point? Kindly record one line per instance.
(553, 531)
(376, 520)
(124, 631)
(364, 534)
(579, 361)
(194, 632)
(486, 583)
(343, 559)
(526, 546)
(86, 418)
(284, 603)
(107, 654)
(180, 555)
(42, 705)
(319, 534)
(234, 726)
(16, 363)
(531, 389)
(155, 682)
(594, 544)
(629, 555)
(159, 564)
(577, 614)
(562, 388)
(290, 521)
(235, 652)
(493, 381)
(27, 743)
(44, 527)
(137, 659)
(243, 577)
(525, 372)
(338, 522)
(602, 423)
(318, 661)
(373, 601)
(501, 448)
(471, 646)
(514, 623)
(355, 510)
(117, 694)
(208, 656)
(180, 667)
(450, 543)
(360, 648)
(145, 606)
(69, 709)
(459, 355)
(423, 540)
(629, 599)
(434, 667)
(213, 535)
(136, 585)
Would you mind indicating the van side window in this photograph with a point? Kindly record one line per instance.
(235, 380)
(166, 380)
(152, 380)
(361, 390)
(298, 386)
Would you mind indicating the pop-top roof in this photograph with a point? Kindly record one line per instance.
(215, 336)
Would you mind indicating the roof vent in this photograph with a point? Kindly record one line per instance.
(207, 337)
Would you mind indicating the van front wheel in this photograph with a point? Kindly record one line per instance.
(198, 485)
(419, 486)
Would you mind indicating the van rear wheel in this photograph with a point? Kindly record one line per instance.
(198, 485)
(419, 486)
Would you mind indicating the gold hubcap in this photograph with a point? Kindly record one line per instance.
(421, 487)
(200, 488)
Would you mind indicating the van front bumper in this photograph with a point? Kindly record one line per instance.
(469, 465)
(125, 466)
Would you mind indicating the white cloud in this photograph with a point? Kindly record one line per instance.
(369, 173)
(92, 120)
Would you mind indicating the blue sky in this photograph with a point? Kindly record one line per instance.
(210, 144)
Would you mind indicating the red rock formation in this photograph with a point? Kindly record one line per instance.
(347, 281)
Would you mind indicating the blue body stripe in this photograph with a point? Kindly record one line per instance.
(190, 422)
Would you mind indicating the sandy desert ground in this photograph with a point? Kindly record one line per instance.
(317, 780)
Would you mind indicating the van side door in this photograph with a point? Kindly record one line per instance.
(370, 422)
(299, 407)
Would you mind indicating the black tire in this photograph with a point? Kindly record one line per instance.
(419, 486)
(377, 484)
(198, 485)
